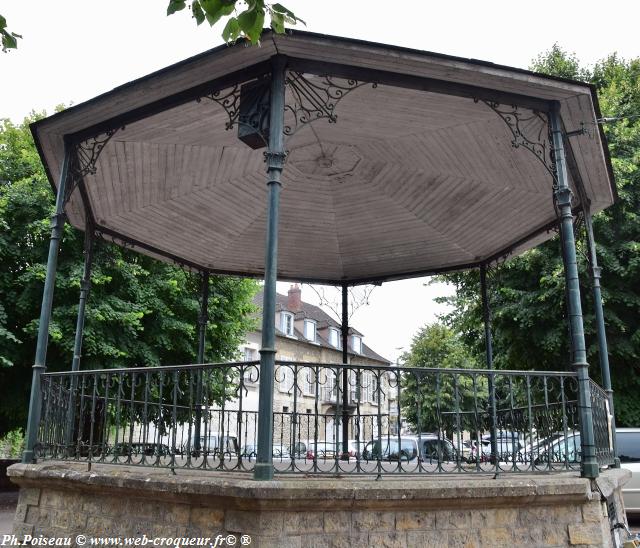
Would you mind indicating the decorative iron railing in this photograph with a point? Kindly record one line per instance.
(398, 420)
(602, 425)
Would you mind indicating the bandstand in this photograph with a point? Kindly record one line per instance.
(382, 163)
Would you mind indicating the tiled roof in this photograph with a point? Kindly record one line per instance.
(322, 319)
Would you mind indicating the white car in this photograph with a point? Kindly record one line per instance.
(628, 446)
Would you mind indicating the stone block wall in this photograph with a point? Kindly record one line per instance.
(430, 512)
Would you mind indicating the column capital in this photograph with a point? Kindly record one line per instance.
(275, 160)
(563, 196)
(58, 220)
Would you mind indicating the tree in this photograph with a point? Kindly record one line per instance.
(241, 23)
(141, 312)
(527, 292)
(433, 401)
(9, 39)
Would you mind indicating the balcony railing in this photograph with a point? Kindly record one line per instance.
(398, 420)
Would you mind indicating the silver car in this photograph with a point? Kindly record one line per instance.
(628, 445)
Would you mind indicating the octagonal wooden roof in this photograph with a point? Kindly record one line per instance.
(417, 173)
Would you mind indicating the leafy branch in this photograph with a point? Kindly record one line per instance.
(9, 39)
(245, 17)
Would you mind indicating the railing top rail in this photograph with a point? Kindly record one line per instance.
(396, 370)
(597, 387)
(151, 368)
(401, 369)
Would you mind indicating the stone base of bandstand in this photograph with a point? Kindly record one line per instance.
(66, 500)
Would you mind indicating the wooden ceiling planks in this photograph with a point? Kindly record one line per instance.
(407, 180)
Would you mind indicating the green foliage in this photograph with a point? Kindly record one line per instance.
(141, 312)
(243, 22)
(12, 444)
(427, 397)
(527, 293)
(9, 39)
(557, 62)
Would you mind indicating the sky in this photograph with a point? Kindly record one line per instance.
(73, 50)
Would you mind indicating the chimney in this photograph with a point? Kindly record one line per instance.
(294, 300)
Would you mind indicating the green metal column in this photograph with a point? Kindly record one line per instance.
(486, 315)
(603, 350)
(85, 286)
(275, 157)
(345, 373)
(574, 306)
(203, 320)
(39, 366)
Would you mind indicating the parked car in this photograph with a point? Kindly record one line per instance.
(355, 448)
(279, 452)
(508, 447)
(628, 446)
(139, 449)
(322, 450)
(464, 447)
(388, 448)
(538, 446)
(435, 448)
(326, 449)
(428, 447)
(213, 444)
(566, 449)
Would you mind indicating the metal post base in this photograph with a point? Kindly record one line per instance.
(28, 457)
(263, 471)
(590, 470)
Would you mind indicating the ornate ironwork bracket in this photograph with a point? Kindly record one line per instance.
(310, 99)
(229, 100)
(530, 130)
(315, 99)
(85, 158)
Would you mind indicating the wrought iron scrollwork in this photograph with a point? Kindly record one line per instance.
(315, 99)
(85, 158)
(530, 130)
(229, 100)
(311, 99)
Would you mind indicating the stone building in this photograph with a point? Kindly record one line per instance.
(307, 334)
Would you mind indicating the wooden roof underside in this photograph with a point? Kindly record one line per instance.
(416, 176)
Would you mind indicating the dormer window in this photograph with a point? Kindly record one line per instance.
(286, 321)
(334, 337)
(310, 330)
(356, 344)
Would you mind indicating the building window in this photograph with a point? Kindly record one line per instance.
(250, 354)
(250, 371)
(310, 330)
(308, 382)
(287, 323)
(330, 387)
(334, 337)
(356, 344)
(369, 388)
